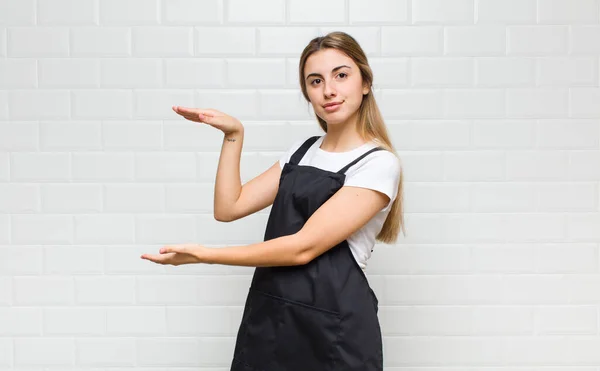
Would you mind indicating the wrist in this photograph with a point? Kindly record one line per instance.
(236, 134)
(201, 254)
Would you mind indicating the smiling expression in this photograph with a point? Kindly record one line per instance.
(334, 85)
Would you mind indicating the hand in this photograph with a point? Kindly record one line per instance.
(177, 254)
(227, 124)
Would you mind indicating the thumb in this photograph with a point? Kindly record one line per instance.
(181, 248)
(205, 118)
(170, 248)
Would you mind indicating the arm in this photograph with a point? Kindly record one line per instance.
(344, 213)
(254, 196)
(347, 211)
(232, 200)
(228, 185)
(227, 182)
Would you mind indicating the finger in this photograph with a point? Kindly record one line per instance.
(173, 249)
(199, 118)
(180, 110)
(194, 116)
(186, 113)
(154, 258)
(193, 111)
(183, 109)
(166, 258)
(190, 117)
(205, 118)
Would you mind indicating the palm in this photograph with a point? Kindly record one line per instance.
(219, 120)
(184, 255)
(195, 114)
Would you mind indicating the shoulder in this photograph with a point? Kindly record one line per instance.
(382, 160)
(297, 143)
(379, 170)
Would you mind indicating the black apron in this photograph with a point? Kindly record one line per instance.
(320, 316)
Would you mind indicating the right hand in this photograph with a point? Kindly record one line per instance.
(227, 124)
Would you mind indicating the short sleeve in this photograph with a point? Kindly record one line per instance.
(379, 171)
(288, 154)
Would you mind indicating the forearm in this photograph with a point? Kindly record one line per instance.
(228, 184)
(281, 251)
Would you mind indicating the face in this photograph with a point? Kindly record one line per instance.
(333, 78)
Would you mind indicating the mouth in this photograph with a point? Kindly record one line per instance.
(333, 104)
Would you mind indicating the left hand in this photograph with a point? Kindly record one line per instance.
(177, 254)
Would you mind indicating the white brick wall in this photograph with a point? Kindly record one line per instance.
(493, 106)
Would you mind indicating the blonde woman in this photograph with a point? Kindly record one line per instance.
(310, 306)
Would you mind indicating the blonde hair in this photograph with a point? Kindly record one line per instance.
(370, 122)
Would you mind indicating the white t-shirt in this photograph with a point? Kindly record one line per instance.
(379, 170)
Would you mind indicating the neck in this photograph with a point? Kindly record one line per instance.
(343, 136)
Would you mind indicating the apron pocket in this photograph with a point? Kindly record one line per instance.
(259, 338)
(306, 337)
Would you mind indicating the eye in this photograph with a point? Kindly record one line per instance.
(339, 74)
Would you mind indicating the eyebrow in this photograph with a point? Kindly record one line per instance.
(333, 70)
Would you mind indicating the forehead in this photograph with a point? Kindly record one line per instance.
(325, 60)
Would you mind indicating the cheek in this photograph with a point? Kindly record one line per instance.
(353, 91)
(354, 94)
(311, 94)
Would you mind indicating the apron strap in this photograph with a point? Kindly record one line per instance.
(300, 152)
(343, 170)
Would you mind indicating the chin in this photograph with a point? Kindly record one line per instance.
(334, 117)
(335, 121)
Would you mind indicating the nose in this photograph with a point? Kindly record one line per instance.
(329, 90)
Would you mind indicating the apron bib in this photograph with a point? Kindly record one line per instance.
(321, 316)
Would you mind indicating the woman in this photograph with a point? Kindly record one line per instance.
(310, 307)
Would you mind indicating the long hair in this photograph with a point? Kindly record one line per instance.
(370, 122)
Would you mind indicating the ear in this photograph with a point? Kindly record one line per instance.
(366, 89)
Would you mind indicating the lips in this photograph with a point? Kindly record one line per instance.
(332, 104)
